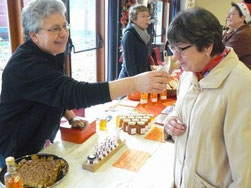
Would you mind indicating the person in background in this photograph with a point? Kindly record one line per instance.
(239, 34)
(35, 91)
(136, 42)
(211, 121)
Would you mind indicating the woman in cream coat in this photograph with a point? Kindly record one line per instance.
(211, 123)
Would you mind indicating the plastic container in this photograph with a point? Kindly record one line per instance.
(77, 135)
(134, 96)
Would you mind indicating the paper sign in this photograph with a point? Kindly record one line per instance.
(156, 134)
(132, 160)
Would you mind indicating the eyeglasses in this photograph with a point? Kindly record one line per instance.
(57, 29)
(179, 49)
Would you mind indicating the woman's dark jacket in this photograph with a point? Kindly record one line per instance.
(135, 54)
(240, 41)
(35, 94)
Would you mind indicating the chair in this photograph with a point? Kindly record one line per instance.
(151, 60)
(157, 56)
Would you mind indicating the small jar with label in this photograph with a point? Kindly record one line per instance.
(141, 127)
(121, 121)
(132, 127)
(146, 121)
(102, 123)
(125, 125)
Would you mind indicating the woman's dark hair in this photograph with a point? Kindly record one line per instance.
(199, 27)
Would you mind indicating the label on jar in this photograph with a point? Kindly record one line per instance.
(142, 130)
(133, 130)
(163, 97)
(154, 99)
(142, 101)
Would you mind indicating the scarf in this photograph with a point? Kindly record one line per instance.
(215, 61)
(142, 33)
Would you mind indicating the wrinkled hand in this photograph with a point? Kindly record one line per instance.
(79, 122)
(150, 82)
(174, 127)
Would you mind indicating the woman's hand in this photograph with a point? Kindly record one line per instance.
(78, 122)
(174, 127)
(150, 82)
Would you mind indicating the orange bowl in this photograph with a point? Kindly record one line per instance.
(134, 96)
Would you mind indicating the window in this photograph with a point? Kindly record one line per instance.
(83, 35)
(158, 25)
(5, 49)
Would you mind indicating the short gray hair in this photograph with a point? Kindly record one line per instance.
(36, 10)
(135, 10)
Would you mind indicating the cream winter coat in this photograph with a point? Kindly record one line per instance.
(215, 150)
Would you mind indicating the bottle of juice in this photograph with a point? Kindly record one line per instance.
(144, 99)
(163, 95)
(12, 178)
(154, 98)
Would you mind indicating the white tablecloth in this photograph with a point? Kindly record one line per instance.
(155, 173)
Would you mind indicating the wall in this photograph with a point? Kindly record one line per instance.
(219, 8)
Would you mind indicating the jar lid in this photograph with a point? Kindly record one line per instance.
(91, 157)
(132, 123)
(141, 123)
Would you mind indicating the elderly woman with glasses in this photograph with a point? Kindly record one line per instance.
(211, 121)
(35, 91)
(239, 34)
(136, 42)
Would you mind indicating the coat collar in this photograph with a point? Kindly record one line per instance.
(215, 78)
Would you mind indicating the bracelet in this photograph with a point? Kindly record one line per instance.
(71, 120)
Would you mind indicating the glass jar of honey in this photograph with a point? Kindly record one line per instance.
(125, 125)
(146, 121)
(132, 127)
(140, 127)
(102, 123)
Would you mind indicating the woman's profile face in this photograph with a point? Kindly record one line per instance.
(142, 20)
(53, 35)
(189, 58)
(233, 19)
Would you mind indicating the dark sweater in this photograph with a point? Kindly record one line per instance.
(35, 94)
(135, 54)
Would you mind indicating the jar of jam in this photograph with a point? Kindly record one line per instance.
(121, 121)
(140, 127)
(132, 127)
(147, 124)
(125, 125)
